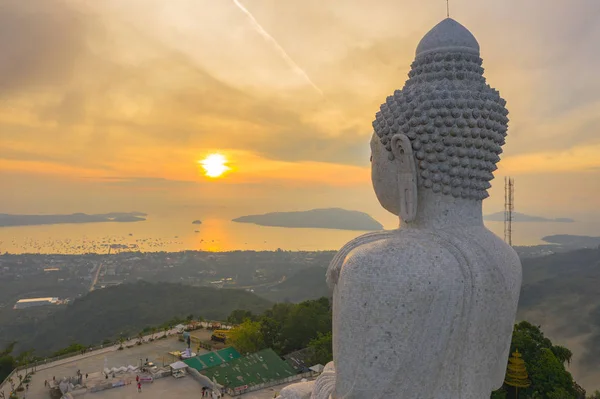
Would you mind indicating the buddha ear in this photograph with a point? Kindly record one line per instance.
(407, 176)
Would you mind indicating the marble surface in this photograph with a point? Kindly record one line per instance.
(427, 311)
(448, 34)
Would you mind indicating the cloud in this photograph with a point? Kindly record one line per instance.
(576, 160)
(143, 88)
(41, 43)
(143, 182)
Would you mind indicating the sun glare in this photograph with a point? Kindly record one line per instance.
(214, 165)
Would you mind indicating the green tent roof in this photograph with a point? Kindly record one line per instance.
(212, 359)
(229, 354)
(195, 363)
(260, 367)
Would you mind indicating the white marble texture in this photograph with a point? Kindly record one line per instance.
(427, 311)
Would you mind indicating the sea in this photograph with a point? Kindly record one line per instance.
(175, 232)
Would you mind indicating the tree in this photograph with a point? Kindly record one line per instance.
(545, 365)
(74, 347)
(238, 316)
(322, 347)
(247, 337)
(516, 373)
(24, 358)
(563, 354)
(595, 395)
(7, 365)
(304, 322)
(271, 333)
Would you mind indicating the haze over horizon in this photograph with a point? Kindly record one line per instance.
(109, 106)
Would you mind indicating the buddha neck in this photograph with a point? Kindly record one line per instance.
(435, 211)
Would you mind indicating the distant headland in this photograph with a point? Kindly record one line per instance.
(573, 241)
(521, 217)
(331, 218)
(7, 220)
(197, 222)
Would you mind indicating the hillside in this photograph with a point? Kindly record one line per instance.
(33, 220)
(332, 218)
(573, 241)
(521, 217)
(127, 309)
(304, 285)
(561, 292)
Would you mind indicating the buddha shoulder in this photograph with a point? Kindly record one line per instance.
(397, 251)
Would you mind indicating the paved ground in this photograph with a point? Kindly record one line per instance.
(266, 393)
(156, 352)
(164, 388)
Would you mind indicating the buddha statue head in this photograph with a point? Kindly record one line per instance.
(440, 136)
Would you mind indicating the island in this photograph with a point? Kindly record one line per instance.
(521, 217)
(331, 218)
(9, 220)
(573, 241)
(197, 222)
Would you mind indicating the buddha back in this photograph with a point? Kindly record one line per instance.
(425, 314)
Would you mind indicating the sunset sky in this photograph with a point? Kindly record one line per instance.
(109, 105)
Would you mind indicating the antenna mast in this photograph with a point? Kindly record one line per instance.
(509, 206)
(448, 8)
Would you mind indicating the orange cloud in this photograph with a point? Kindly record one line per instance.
(577, 159)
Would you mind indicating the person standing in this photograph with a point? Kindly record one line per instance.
(139, 386)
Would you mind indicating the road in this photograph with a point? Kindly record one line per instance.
(95, 280)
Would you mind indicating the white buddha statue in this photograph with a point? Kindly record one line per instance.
(427, 311)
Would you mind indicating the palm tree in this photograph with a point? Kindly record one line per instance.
(563, 354)
(153, 332)
(121, 341)
(165, 330)
(140, 337)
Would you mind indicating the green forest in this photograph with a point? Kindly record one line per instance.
(124, 310)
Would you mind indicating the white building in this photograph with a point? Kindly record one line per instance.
(29, 302)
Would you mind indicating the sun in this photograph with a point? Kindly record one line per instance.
(214, 165)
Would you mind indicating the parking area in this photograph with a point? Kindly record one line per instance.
(94, 363)
(156, 352)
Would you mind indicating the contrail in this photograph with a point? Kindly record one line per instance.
(279, 49)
